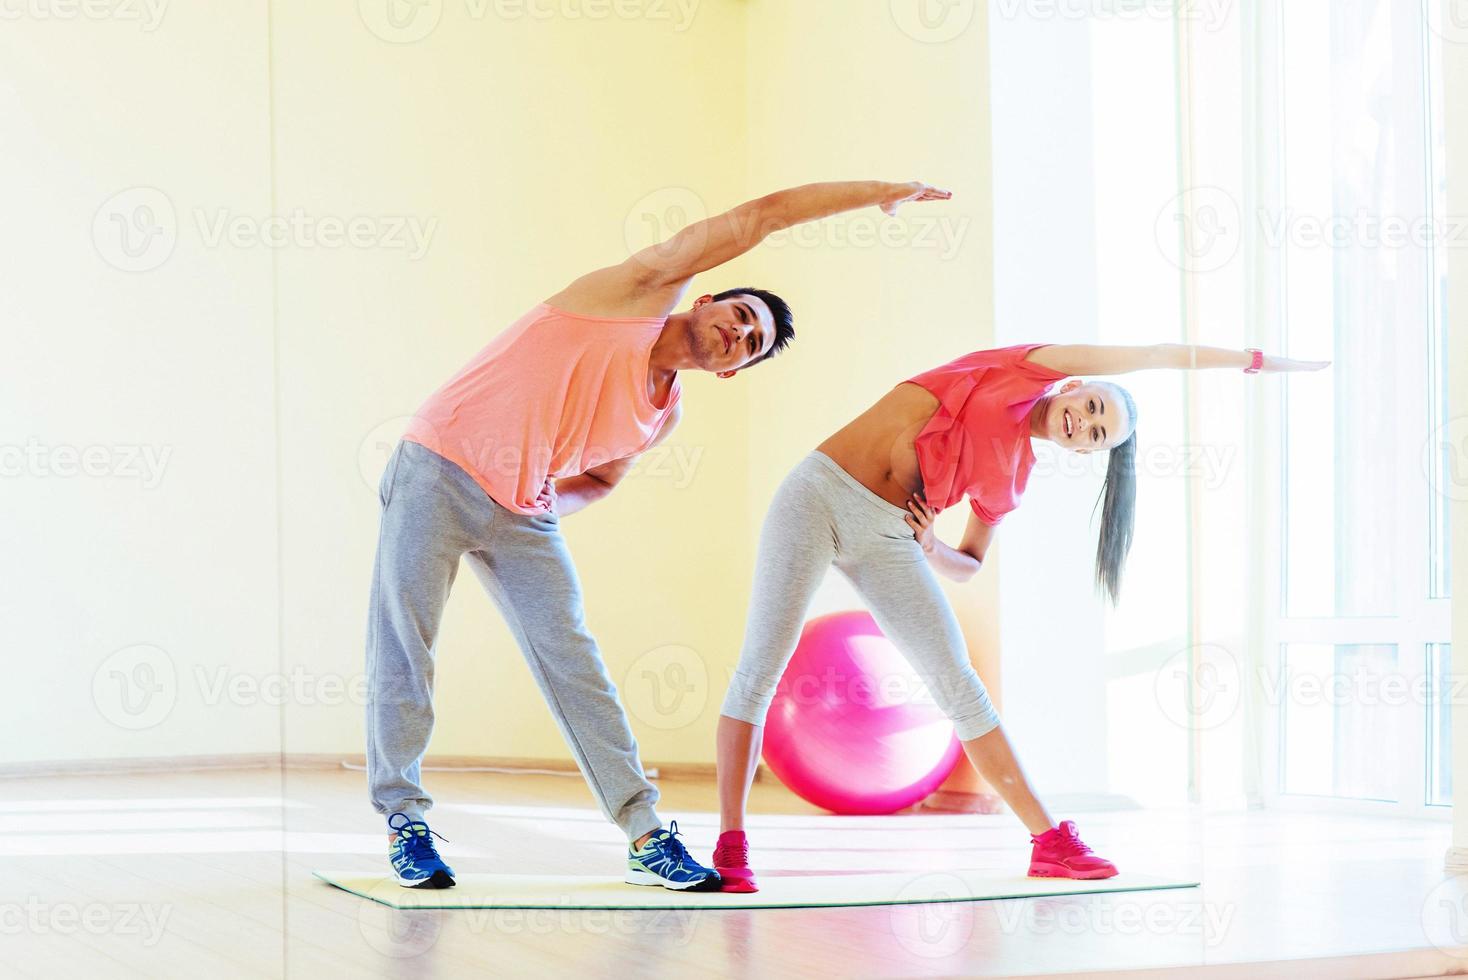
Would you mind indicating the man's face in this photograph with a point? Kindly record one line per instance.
(730, 334)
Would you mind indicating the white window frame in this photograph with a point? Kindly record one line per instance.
(1420, 621)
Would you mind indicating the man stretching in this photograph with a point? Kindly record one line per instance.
(547, 419)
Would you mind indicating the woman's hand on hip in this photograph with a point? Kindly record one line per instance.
(920, 518)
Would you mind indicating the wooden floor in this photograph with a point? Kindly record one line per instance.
(208, 875)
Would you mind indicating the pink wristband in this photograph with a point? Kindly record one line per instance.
(1257, 363)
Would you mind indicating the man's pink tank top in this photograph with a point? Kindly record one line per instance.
(553, 396)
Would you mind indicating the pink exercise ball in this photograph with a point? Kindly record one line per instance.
(851, 728)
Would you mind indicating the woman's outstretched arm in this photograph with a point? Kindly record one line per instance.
(1078, 360)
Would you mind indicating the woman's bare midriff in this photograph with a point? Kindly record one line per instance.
(877, 446)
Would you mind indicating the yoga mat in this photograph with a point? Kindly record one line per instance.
(499, 891)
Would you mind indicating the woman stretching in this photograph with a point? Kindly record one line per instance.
(865, 501)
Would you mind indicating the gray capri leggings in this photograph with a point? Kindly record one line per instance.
(822, 516)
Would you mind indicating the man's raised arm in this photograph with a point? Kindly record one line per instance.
(708, 244)
(654, 279)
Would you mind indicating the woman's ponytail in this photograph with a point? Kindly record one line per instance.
(1118, 503)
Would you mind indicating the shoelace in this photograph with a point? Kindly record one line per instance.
(1071, 843)
(672, 845)
(419, 844)
(734, 855)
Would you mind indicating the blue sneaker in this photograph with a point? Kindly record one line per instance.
(415, 861)
(663, 860)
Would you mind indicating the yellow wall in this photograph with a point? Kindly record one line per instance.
(135, 389)
(523, 151)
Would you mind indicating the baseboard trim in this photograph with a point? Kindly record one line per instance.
(304, 760)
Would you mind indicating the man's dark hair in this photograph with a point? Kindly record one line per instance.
(779, 311)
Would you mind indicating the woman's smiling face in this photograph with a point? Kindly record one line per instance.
(1087, 417)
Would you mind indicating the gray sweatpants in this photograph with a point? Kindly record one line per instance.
(822, 516)
(433, 514)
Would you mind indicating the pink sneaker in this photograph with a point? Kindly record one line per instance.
(1060, 853)
(731, 861)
